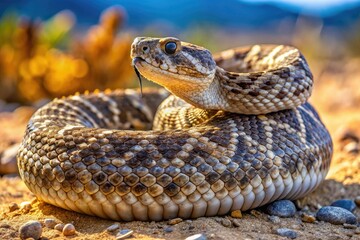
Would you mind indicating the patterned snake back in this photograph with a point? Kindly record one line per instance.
(236, 134)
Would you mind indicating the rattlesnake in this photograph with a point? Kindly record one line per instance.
(237, 134)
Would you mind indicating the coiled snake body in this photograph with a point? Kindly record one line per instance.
(236, 134)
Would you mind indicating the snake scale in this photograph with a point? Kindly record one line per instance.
(237, 133)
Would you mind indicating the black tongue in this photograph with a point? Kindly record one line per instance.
(140, 80)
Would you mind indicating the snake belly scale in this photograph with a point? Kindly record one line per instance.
(236, 133)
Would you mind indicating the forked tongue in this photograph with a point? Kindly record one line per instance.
(140, 80)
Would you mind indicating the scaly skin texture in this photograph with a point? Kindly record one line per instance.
(91, 154)
(252, 80)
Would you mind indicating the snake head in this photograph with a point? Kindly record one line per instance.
(180, 67)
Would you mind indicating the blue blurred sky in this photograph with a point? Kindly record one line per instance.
(312, 3)
(179, 15)
(316, 7)
(313, 6)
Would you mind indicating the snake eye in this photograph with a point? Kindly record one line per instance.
(170, 47)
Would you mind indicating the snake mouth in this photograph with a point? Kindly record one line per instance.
(137, 60)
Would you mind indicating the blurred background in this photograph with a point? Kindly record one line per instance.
(54, 48)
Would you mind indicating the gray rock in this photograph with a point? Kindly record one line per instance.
(125, 233)
(346, 204)
(168, 229)
(285, 232)
(113, 227)
(282, 208)
(197, 237)
(335, 215)
(31, 229)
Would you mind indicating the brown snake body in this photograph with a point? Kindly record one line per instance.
(239, 136)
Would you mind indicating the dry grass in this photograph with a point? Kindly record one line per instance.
(45, 60)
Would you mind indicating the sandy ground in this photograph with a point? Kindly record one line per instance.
(342, 182)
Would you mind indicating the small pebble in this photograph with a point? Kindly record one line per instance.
(226, 222)
(351, 147)
(335, 215)
(50, 223)
(13, 207)
(168, 229)
(308, 218)
(175, 221)
(25, 207)
(301, 204)
(346, 204)
(357, 231)
(305, 208)
(17, 194)
(357, 201)
(156, 232)
(297, 226)
(349, 226)
(31, 229)
(285, 232)
(214, 236)
(282, 208)
(255, 213)
(349, 234)
(236, 222)
(236, 214)
(59, 227)
(68, 230)
(318, 206)
(274, 219)
(125, 233)
(4, 225)
(197, 237)
(113, 227)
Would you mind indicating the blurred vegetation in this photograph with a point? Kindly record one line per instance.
(47, 59)
(353, 41)
(44, 59)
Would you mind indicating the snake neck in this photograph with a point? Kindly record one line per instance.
(212, 94)
(206, 95)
